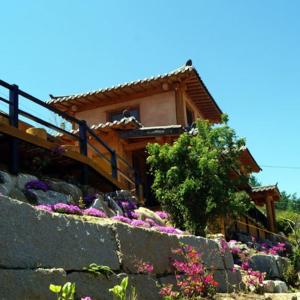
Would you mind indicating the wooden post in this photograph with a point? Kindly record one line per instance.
(270, 215)
(114, 168)
(83, 150)
(179, 101)
(14, 121)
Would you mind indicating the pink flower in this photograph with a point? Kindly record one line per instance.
(94, 213)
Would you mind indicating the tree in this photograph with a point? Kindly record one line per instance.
(196, 178)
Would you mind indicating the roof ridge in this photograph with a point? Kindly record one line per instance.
(181, 69)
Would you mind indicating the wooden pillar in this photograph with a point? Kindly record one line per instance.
(270, 214)
(274, 216)
(180, 116)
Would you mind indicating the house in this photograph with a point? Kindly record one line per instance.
(158, 109)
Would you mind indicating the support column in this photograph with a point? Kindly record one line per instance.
(270, 213)
(180, 109)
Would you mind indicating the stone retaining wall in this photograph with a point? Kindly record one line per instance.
(38, 248)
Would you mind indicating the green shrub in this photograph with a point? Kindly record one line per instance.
(197, 178)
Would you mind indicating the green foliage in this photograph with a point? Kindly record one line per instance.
(120, 291)
(195, 178)
(288, 202)
(99, 270)
(65, 292)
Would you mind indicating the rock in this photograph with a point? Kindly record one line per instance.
(265, 263)
(113, 205)
(146, 287)
(228, 281)
(150, 246)
(32, 238)
(280, 287)
(153, 247)
(17, 194)
(268, 286)
(65, 188)
(49, 197)
(7, 182)
(145, 213)
(282, 296)
(282, 264)
(99, 203)
(225, 252)
(22, 179)
(97, 287)
(209, 250)
(30, 284)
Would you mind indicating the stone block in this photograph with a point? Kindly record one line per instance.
(32, 238)
(149, 246)
(280, 287)
(7, 183)
(48, 197)
(209, 250)
(22, 179)
(97, 287)
(265, 263)
(65, 188)
(30, 284)
(228, 281)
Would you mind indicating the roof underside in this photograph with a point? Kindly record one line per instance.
(188, 75)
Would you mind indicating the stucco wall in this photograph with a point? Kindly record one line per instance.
(155, 110)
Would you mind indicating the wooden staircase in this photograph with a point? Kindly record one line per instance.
(88, 158)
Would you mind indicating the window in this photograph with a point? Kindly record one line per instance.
(120, 114)
(189, 116)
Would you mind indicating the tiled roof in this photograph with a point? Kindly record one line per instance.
(180, 71)
(124, 123)
(195, 88)
(257, 189)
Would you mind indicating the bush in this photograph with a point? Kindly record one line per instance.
(195, 179)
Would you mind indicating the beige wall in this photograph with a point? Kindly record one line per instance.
(155, 110)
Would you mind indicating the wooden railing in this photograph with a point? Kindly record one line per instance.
(83, 136)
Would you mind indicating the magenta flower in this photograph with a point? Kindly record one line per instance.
(122, 219)
(162, 214)
(86, 298)
(140, 223)
(44, 207)
(94, 213)
(150, 222)
(167, 229)
(67, 209)
(145, 268)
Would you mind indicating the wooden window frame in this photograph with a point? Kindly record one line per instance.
(120, 111)
(188, 107)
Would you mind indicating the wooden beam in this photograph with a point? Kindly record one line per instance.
(179, 101)
(136, 146)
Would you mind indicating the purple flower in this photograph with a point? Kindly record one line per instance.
(86, 298)
(150, 222)
(140, 223)
(89, 199)
(122, 219)
(67, 209)
(94, 212)
(134, 215)
(37, 185)
(162, 214)
(167, 229)
(44, 207)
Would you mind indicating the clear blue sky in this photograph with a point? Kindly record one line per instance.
(247, 53)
